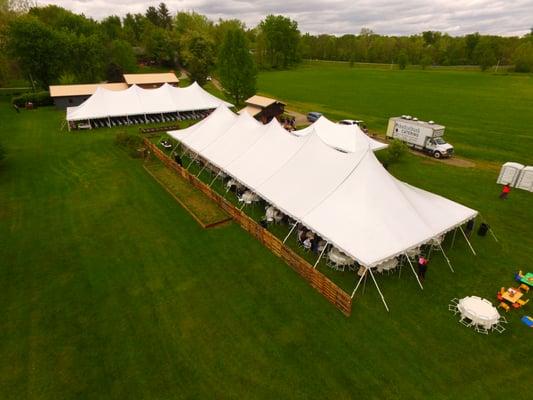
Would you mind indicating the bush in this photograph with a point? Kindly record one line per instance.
(129, 142)
(38, 99)
(394, 152)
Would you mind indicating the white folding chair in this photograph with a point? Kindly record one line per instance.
(498, 328)
(466, 322)
(481, 329)
(453, 308)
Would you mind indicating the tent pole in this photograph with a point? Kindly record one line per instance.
(467, 241)
(430, 249)
(493, 235)
(446, 257)
(377, 287)
(213, 181)
(175, 147)
(128, 119)
(243, 204)
(205, 165)
(188, 166)
(109, 121)
(364, 282)
(321, 254)
(286, 237)
(358, 283)
(145, 119)
(453, 238)
(414, 272)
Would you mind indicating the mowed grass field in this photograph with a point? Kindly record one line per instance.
(488, 116)
(111, 290)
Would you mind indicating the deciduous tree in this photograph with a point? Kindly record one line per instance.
(236, 67)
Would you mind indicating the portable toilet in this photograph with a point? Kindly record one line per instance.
(525, 180)
(509, 173)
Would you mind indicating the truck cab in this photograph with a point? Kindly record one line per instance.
(438, 147)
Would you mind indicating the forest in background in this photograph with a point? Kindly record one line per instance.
(50, 44)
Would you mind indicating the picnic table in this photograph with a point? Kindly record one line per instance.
(513, 296)
(527, 279)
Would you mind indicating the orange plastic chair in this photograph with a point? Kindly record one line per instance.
(505, 306)
(522, 302)
(502, 290)
(524, 287)
(499, 296)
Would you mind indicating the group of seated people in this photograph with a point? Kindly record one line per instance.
(308, 239)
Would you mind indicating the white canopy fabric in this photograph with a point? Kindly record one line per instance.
(138, 101)
(347, 197)
(342, 137)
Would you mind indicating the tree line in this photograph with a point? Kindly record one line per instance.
(427, 48)
(50, 44)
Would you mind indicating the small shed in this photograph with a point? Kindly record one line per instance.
(151, 81)
(73, 95)
(525, 180)
(509, 173)
(263, 108)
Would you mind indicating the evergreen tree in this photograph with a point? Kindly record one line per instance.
(236, 68)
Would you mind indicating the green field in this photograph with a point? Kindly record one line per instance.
(111, 290)
(488, 116)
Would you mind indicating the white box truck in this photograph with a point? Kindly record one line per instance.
(420, 135)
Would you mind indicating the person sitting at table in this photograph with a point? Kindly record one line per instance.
(314, 244)
(307, 243)
(301, 235)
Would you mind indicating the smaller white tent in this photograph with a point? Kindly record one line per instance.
(106, 103)
(341, 137)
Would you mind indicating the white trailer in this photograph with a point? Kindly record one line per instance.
(420, 135)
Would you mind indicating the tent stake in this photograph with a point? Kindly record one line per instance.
(414, 272)
(377, 287)
(453, 238)
(446, 257)
(358, 283)
(286, 237)
(321, 254)
(467, 241)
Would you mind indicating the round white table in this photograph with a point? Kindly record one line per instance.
(339, 258)
(249, 197)
(480, 311)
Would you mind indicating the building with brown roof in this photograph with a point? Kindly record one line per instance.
(263, 108)
(73, 95)
(151, 81)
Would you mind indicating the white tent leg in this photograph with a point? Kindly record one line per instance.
(202, 170)
(175, 147)
(213, 181)
(446, 257)
(109, 121)
(453, 238)
(430, 250)
(493, 235)
(188, 166)
(467, 241)
(145, 119)
(286, 237)
(414, 272)
(359, 283)
(377, 287)
(321, 254)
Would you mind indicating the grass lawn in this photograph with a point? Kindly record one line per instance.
(111, 290)
(487, 116)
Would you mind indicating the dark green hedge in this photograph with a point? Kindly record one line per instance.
(38, 99)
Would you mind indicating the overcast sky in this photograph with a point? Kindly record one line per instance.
(393, 17)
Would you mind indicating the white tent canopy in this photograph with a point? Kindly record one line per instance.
(347, 197)
(135, 100)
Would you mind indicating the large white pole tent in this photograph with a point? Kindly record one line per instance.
(145, 103)
(336, 188)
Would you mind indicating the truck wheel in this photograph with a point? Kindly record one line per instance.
(437, 154)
